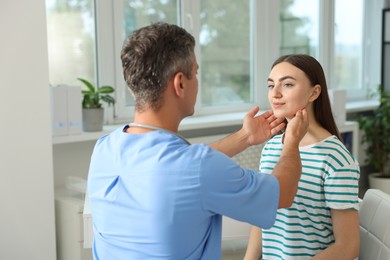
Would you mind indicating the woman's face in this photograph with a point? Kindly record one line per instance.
(289, 90)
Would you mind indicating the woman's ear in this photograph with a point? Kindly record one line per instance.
(178, 84)
(315, 93)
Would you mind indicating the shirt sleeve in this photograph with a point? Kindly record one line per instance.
(242, 194)
(341, 184)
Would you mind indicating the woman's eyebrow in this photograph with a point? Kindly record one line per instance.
(287, 77)
(283, 78)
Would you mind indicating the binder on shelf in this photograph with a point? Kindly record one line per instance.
(74, 110)
(59, 110)
(66, 110)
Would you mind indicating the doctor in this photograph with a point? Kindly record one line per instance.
(155, 196)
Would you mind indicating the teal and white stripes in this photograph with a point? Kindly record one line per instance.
(329, 180)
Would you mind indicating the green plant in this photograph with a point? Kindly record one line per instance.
(376, 133)
(94, 96)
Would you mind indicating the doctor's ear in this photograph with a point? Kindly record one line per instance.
(178, 83)
(315, 93)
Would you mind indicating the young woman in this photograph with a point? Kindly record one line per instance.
(322, 222)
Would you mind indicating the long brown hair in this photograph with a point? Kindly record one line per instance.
(314, 72)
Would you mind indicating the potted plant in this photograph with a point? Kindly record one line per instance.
(93, 112)
(376, 137)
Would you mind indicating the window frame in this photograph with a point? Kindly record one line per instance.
(265, 25)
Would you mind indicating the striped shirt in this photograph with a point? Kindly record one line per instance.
(329, 180)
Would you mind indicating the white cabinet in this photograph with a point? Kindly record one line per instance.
(69, 207)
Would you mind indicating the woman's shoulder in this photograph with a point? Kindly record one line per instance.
(335, 150)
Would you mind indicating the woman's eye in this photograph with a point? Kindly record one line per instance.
(270, 86)
(288, 85)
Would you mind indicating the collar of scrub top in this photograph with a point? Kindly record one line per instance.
(152, 127)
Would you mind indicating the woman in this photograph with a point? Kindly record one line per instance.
(323, 221)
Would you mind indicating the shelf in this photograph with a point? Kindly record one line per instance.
(189, 123)
(361, 106)
(199, 122)
(203, 122)
(84, 136)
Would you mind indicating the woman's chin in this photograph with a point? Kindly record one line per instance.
(279, 115)
(284, 116)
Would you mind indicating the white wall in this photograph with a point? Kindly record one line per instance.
(27, 229)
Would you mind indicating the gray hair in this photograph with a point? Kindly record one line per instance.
(151, 56)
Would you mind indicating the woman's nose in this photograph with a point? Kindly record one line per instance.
(276, 91)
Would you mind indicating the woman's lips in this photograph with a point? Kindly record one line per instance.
(278, 104)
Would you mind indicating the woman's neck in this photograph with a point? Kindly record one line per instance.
(315, 134)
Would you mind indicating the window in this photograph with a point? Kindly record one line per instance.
(340, 49)
(348, 42)
(299, 21)
(71, 41)
(225, 81)
(237, 41)
(225, 53)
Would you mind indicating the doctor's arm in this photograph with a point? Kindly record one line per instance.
(255, 130)
(289, 167)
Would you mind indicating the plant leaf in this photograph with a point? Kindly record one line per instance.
(107, 98)
(105, 90)
(89, 85)
(376, 133)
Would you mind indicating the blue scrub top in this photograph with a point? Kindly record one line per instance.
(153, 196)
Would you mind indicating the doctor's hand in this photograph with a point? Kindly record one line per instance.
(259, 129)
(296, 128)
